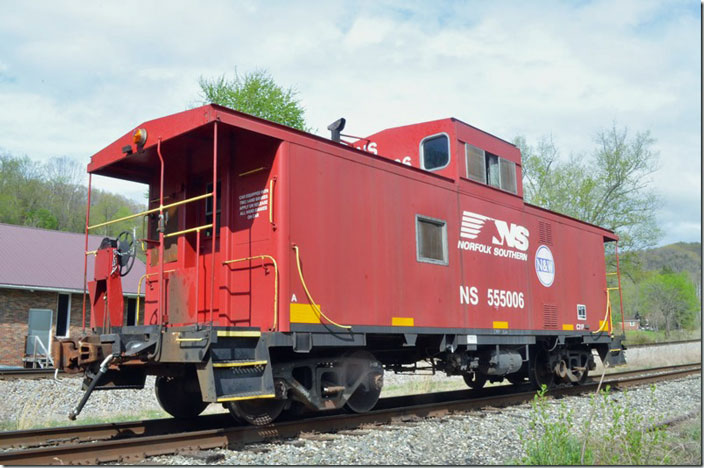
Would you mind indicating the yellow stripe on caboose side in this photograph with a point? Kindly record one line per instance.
(567, 326)
(402, 321)
(303, 313)
(500, 324)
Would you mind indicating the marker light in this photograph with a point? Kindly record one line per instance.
(140, 136)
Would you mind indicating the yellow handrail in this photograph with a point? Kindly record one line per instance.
(607, 315)
(310, 298)
(276, 281)
(253, 171)
(153, 210)
(139, 291)
(186, 231)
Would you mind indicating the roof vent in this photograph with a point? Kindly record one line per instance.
(335, 128)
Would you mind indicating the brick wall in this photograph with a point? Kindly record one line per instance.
(14, 314)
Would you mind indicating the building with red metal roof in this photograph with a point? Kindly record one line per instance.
(42, 270)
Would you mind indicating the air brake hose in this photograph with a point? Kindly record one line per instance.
(103, 369)
(310, 298)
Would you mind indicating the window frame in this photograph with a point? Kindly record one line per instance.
(466, 163)
(422, 155)
(216, 220)
(501, 177)
(445, 253)
(58, 315)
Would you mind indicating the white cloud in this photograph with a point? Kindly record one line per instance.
(99, 69)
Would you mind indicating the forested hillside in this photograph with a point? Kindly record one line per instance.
(663, 286)
(52, 195)
(682, 256)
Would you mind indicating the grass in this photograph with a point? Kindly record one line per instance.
(649, 336)
(684, 444)
(627, 438)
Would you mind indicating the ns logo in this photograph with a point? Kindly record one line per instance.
(514, 236)
(511, 235)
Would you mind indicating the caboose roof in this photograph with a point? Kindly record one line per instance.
(194, 123)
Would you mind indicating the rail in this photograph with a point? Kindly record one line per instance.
(133, 441)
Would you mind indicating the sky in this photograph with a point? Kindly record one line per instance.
(74, 76)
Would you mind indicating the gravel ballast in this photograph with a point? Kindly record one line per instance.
(490, 436)
(486, 437)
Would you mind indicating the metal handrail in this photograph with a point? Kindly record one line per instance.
(276, 281)
(186, 231)
(139, 292)
(47, 355)
(153, 210)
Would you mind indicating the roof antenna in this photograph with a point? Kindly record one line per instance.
(335, 128)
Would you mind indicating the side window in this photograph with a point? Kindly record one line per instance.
(508, 175)
(474, 160)
(209, 209)
(435, 152)
(492, 170)
(431, 240)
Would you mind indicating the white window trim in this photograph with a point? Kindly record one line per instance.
(422, 156)
(585, 312)
(68, 315)
(433, 261)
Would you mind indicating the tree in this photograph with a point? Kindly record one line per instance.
(257, 94)
(610, 189)
(671, 300)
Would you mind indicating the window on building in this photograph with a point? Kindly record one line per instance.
(474, 160)
(131, 312)
(581, 312)
(209, 209)
(435, 152)
(508, 175)
(63, 315)
(431, 240)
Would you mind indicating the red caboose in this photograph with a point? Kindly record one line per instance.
(283, 267)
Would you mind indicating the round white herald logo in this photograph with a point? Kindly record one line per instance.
(545, 266)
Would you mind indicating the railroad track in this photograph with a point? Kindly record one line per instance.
(132, 441)
(38, 373)
(664, 343)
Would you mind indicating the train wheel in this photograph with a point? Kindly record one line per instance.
(582, 377)
(367, 394)
(474, 380)
(258, 412)
(540, 373)
(179, 396)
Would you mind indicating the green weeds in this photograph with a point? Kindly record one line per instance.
(613, 433)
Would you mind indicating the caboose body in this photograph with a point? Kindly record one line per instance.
(287, 269)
